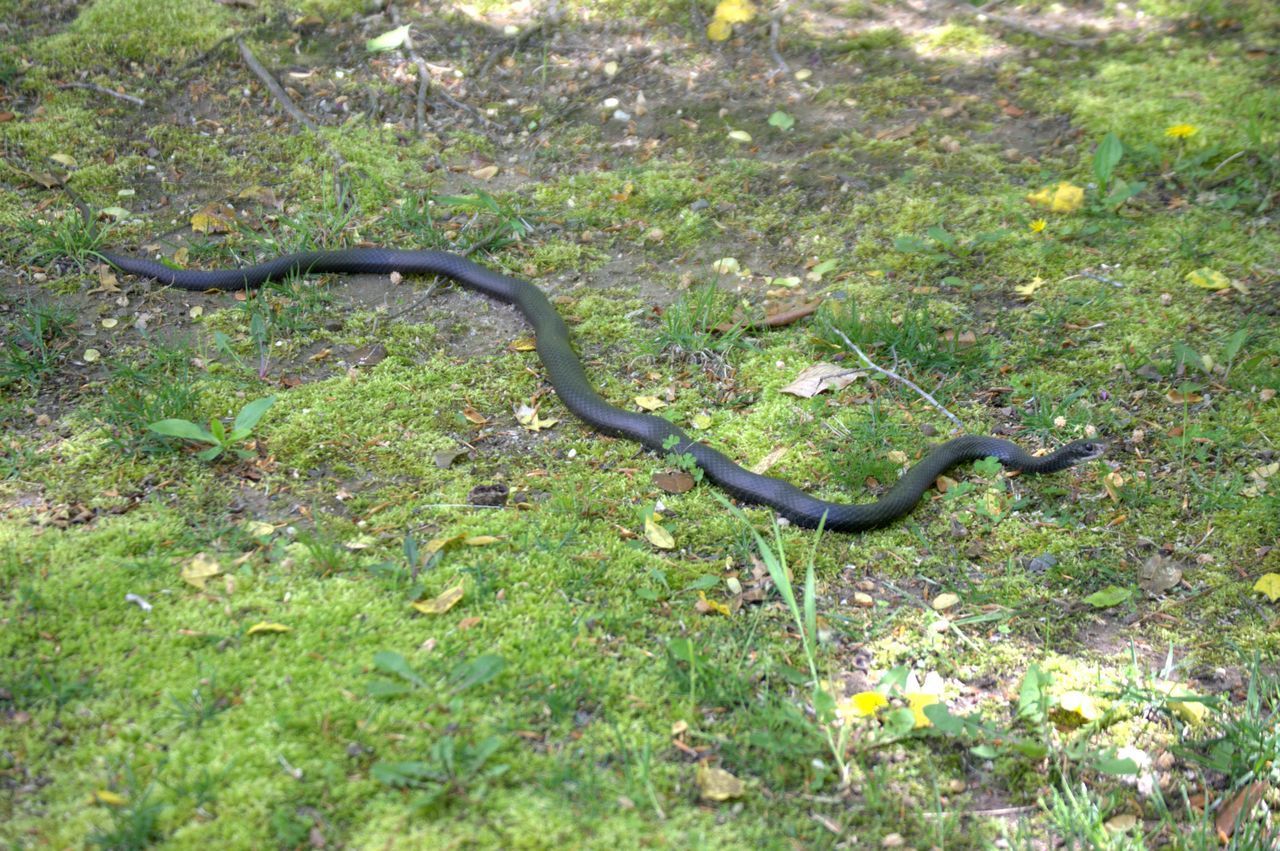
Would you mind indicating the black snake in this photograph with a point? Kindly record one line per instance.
(565, 372)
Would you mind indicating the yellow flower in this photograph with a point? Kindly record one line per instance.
(1038, 225)
(1181, 131)
(861, 705)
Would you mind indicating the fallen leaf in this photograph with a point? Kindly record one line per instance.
(1269, 584)
(1029, 289)
(944, 601)
(716, 784)
(200, 570)
(700, 421)
(675, 481)
(264, 627)
(442, 603)
(917, 701)
(528, 417)
(740, 136)
(658, 535)
(480, 540)
(1113, 482)
(1183, 397)
(389, 40)
(473, 416)
(1209, 279)
(1158, 574)
(214, 217)
(108, 798)
(1122, 822)
(1184, 703)
(735, 11)
(488, 172)
(762, 466)
(1107, 597)
(649, 403)
(815, 379)
(1239, 808)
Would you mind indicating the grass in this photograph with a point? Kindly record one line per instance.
(229, 654)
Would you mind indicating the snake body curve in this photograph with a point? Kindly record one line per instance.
(565, 372)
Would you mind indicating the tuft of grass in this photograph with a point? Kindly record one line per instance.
(688, 329)
(34, 344)
(158, 386)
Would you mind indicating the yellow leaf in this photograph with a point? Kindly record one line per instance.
(945, 601)
(740, 136)
(918, 701)
(716, 784)
(213, 218)
(713, 605)
(106, 796)
(1113, 482)
(1191, 711)
(701, 421)
(441, 604)
(735, 11)
(1269, 584)
(528, 417)
(1029, 289)
(525, 344)
(258, 529)
(259, 628)
(1081, 704)
(1063, 198)
(861, 705)
(200, 570)
(650, 403)
(435, 545)
(488, 172)
(657, 535)
(719, 30)
(480, 540)
(65, 160)
(1209, 279)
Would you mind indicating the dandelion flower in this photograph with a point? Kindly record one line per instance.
(1181, 131)
(1038, 225)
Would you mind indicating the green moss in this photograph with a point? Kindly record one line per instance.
(143, 31)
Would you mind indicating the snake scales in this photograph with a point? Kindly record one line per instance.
(565, 372)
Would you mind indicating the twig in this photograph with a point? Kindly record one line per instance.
(775, 32)
(424, 75)
(277, 91)
(1093, 276)
(282, 97)
(94, 87)
(916, 387)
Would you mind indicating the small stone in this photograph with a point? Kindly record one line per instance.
(866, 585)
(893, 840)
(863, 600)
(1041, 563)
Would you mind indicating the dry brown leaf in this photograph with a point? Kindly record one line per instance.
(813, 380)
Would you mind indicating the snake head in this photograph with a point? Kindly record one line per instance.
(1080, 451)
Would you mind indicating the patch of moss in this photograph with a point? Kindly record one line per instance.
(143, 31)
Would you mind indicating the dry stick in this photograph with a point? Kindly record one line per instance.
(94, 87)
(424, 76)
(775, 32)
(870, 363)
(282, 97)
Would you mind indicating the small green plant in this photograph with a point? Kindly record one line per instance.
(1112, 191)
(397, 677)
(453, 771)
(505, 223)
(135, 823)
(217, 436)
(204, 703)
